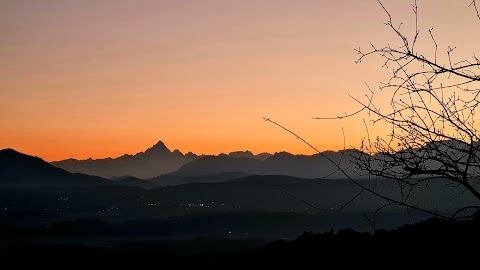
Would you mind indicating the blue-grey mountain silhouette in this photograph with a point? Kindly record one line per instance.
(155, 161)
(283, 163)
(249, 154)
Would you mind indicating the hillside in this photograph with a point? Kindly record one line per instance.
(17, 169)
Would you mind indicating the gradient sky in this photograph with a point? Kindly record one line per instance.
(104, 78)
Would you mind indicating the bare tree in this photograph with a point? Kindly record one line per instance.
(431, 112)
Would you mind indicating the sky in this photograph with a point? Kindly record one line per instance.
(81, 79)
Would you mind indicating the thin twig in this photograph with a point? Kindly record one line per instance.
(401, 203)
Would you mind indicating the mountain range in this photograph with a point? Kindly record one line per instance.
(29, 183)
(155, 161)
(203, 181)
(22, 170)
(164, 166)
(283, 163)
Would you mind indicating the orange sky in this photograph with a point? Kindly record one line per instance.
(104, 78)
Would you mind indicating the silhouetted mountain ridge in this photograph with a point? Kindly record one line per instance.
(155, 161)
(281, 163)
(17, 169)
(249, 154)
(158, 149)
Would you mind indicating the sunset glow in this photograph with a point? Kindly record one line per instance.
(81, 79)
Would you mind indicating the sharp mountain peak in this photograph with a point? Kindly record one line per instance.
(159, 147)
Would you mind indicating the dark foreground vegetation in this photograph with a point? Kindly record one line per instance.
(433, 242)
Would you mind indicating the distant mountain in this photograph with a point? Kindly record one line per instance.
(155, 161)
(17, 169)
(283, 163)
(248, 154)
(166, 167)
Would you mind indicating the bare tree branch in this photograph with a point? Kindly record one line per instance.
(319, 208)
(474, 4)
(357, 183)
(432, 114)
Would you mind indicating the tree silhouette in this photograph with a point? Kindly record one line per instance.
(431, 112)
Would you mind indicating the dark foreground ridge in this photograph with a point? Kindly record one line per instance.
(433, 242)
